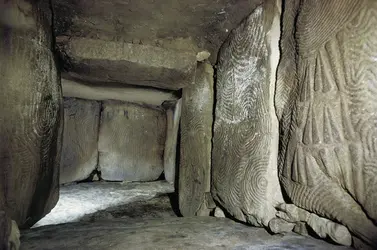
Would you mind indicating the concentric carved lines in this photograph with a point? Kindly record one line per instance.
(244, 181)
(312, 19)
(335, 130)
(361, 48)
(196, 134)
(31, 111)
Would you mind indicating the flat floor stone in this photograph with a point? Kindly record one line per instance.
(166, 233)
(80, 200)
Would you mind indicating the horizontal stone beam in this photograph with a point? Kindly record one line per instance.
(107, 61)
(129, 94)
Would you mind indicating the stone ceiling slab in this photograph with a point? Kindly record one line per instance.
(179, 24)
(136, 64)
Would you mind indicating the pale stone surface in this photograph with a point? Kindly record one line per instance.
(78, 201)
(219, 213)
(245, 143)
(202, 55)
(173, 117)
(326, 99)
(131, 142)
(195, 148)
(191, 233)
(105, 91)
(30, 112)
(109, 61)
(277, 225)
(80, 139)
(14, 238)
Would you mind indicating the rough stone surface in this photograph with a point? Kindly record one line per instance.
(5, 230)
(326, 101)
(245, 144)
(131, 142)
(106, 91)
(137, 64)
(143, 209)
(323, 227)
(84, 201)
(80, 139)
(196, 135)
(30, 112)
(173, 117)
(177, 24)
(167, 233)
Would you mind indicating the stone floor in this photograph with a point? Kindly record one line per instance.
(78, 201)
(163, 233)
(144, 216)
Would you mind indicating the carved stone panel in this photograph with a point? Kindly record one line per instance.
(196, 134)
(245, 144)
(328, 162)
(131, 142)
(80, 139)
(30, 112)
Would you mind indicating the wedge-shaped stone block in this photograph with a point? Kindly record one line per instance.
(131, 142)
(196, 135)
(106, 61)
(80, 139)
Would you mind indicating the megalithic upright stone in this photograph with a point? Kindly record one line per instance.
(30, 112)
(326, 102)
(245, 144)
(196, 135)
(173, 117)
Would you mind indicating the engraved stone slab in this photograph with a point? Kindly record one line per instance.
(131, 142)
(80, 139)
(30, 112)
(245, 144)
(327, 103)
(196, 135)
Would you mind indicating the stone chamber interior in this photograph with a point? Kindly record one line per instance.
(200, 124)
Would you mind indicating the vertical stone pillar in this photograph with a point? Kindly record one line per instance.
(30, 112)
(245, 143)
(196, 135)
(173, 116)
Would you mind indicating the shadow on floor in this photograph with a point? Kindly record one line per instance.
(163, 206)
